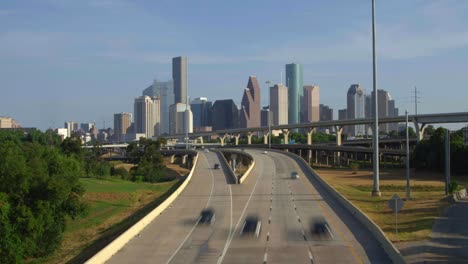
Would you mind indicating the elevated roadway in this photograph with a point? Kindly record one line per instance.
(284, 205)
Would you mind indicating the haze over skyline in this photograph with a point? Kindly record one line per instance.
(86, 60)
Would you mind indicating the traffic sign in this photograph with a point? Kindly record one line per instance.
(395, 203)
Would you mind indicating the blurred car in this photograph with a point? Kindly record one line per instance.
(216, 166)
(207, 150)
(252, 226)
(207, 216)
(294, 175)
(265, 152)
(320, 227)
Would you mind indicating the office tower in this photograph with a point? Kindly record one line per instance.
(94, 132)
(6, 122)
(382, 99)
(200, 107)
(342, 114)
(179, 75)
(279, 104)
(181, 119)
(165, 92)
(224, 115)
(86, 127)
(250, 106)
(122, 123)
(294, 82)
(326, 114)
(392, 112)
(311, 104)
(71, 127)
(147, 116)
(356, 109)
(264, 116)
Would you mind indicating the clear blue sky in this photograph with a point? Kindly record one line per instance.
(85, 60)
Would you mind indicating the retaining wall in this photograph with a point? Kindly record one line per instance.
(240, 153)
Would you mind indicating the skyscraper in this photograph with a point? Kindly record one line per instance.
(279, 104)
(311, 103)
(200, 107)
(250, 106)
(295, 84)
(147, 116)
(165, 92)
(181, 119)
(122, 121)
(392, 112)
(382, 99)
(326, 114)
(356, 100)
(342, 114)
(224, 115)
(179, 75)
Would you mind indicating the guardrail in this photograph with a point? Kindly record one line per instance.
(111, 249)
(393, 253)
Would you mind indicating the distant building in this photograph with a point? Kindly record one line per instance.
(179, 75)
(382, 99)
(165, 92)
(86, 127)
(122, 122)
(71, 128)
(342, 114)
(200, 107)
(279, 104)
(295, 83)
(147, 116)
(264, 116)
(356, 109)
(224, 114)
(181, 119)
(6, 122)
(326, 114)
(311, 104)
(250, 106)
(392, 112)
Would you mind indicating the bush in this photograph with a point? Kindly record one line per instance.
(453, 186)
(354, 167)
(120, 172)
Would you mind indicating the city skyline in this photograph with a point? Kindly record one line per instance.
(50, 60)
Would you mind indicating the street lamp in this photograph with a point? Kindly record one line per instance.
(375, 138)
(269, 116)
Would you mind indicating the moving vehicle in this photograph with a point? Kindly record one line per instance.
(206, 150)
(320, 227)
(252, 226)
(294, 175)
(216, 166)
(265, 152)
(207, 216)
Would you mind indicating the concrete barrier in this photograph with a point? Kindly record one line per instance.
(113, 247)
(393, 253)
(226, 165)
(458, 195)
(247, 172)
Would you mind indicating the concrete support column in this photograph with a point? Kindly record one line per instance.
(249, 138)
(286, 136)
(223, 138)
(237, 138)
(172, 159)
(309, 135)
(420, 130)
(266, 135)
(339, 132)
(201, 140)
(184, 159)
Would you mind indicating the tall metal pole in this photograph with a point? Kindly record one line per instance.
(447, 161)
(408, 194)
(375, 138)
(269, 114)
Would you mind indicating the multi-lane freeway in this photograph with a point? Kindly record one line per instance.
(285, 206)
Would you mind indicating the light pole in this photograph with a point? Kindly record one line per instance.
(375, 138)
(408, 194)
(269, 116)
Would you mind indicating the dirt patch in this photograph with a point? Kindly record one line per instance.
(107, 196)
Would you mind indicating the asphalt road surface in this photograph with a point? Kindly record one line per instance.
(285, 207)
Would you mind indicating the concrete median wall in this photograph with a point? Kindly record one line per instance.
(393, 253)
(111, 249)
(240, 153)
(456, 196)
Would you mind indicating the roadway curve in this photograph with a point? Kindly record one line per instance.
(284, 205)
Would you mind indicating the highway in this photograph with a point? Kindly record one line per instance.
(284, 205)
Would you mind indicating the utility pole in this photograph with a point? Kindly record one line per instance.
(408, 194)
(375, 138)
(269, 113)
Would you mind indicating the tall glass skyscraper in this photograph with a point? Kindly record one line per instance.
(295, 83)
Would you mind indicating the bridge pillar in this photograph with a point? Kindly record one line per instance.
(223, 138)
(172, 159)
(266, 135)
(310, 131)
(184, 159)
(237, 136)
(420, 130)
(201, 140)
(286, 136)
(249, 138)
(339, 132)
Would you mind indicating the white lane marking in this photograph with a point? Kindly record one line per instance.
(194, 226)
(268, 236)
(265, 258)
(238, 221)
(311, 257)
(329, 231)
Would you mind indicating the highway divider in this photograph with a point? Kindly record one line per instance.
(393, 253)
(241, 178)
(113, 247)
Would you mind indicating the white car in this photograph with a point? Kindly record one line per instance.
(207, 150)
(265, 152)
(294, 175)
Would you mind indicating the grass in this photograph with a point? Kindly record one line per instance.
(416, 218)
(113, 204)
